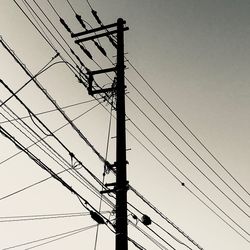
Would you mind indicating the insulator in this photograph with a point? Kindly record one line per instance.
(73, 52)
(86, 52)
(112, 41)
(79, 18)
(146, 220)
(96, 17)
(95, 216)
(65, 25)
(134, 217)
(100, 48)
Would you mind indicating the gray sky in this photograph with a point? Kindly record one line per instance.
(196, 55)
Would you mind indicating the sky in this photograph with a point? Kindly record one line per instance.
(195, 56)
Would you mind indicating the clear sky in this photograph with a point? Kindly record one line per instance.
(196, 56)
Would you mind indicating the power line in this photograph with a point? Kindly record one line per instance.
(182, 138)
(158, 244)
(61, 127)
(151, 221)
(187, 158)
(22, 218)
(50, 111)
(58, 236)
(88, 184)
(86, 204)
(188, 129)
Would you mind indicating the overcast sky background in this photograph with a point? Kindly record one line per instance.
(196, 55)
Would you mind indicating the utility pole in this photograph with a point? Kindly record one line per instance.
(121, 185)
(121, 161)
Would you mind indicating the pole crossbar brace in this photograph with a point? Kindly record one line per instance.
(95, 30)
(108, 33)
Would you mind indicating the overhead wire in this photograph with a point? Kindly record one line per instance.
(184, 140)
(66, 168)
(163, 229)
(41, 164)
(29, 6)
(45, 67)
(59, 128)
(70, 153)
(188, 129)
(155, 209)
(156, 242)
(51, 110)
(22, 218)
(57, 236)
(188, 159)
(200, 191)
